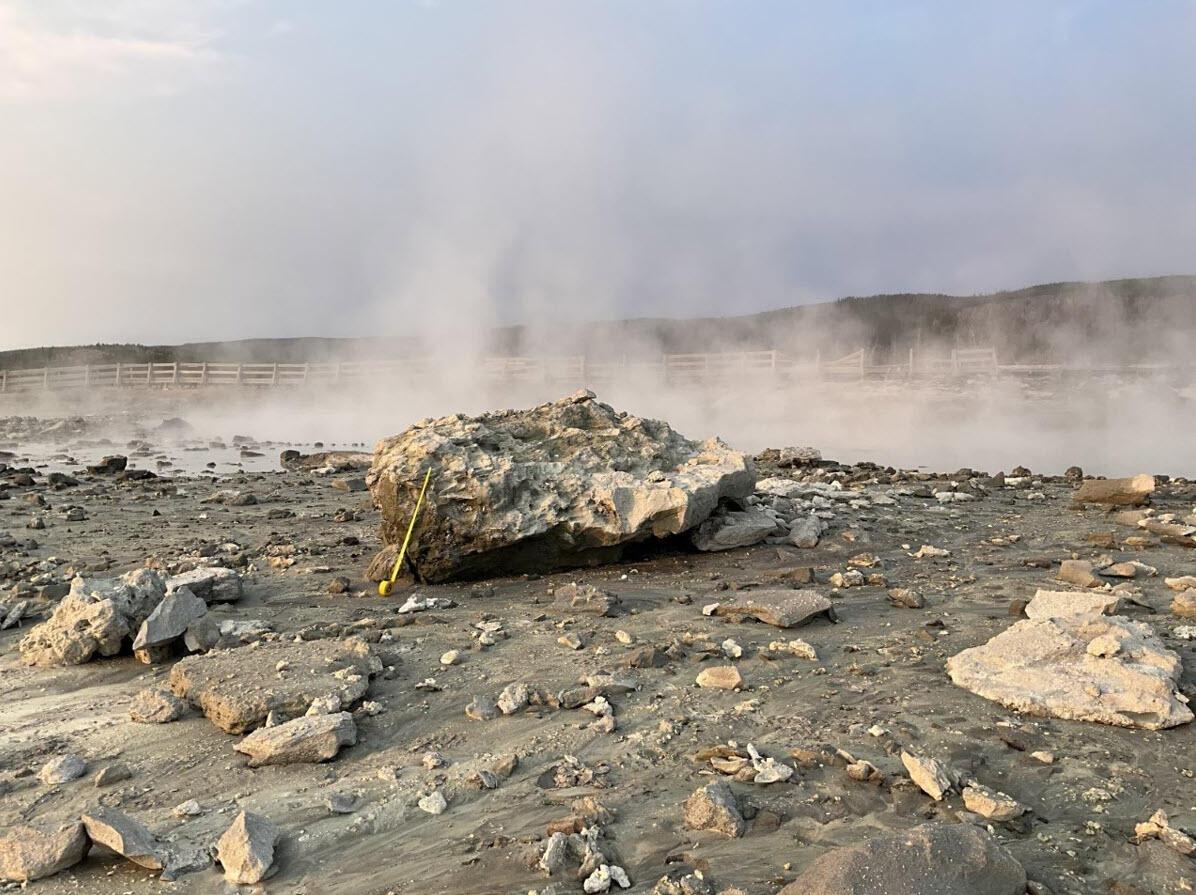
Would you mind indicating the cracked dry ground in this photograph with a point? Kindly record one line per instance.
(877, 687)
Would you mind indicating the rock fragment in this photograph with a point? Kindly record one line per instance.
(156, 705)
(34, 851)
(246, 849)
(720, 677)
(212, 584)
(714, 807)
(307, 740)
(167, 623)
(990, 804)
(127, 837)
(929, 774)
(1057, 603)
(238, 688)
(780, 608)
(1131, 492)
(96, 617)
(1099, 668)
(62, 769)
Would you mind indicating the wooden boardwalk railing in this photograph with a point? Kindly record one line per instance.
(568, 370)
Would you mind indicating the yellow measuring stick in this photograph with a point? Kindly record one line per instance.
(385, 587)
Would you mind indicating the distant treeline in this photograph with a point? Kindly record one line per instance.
(1133, 320)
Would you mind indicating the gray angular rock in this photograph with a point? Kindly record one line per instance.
(727, 529)
(96, 617)
(934, 859)
(306, 740)
(238, 688)
(170, 619)
(780, 608)
(127, 837)
(62, 769)
(1080, 667)
(806, 532)
(212, 584)
(246, 849)
(568, 483)
(34, 851)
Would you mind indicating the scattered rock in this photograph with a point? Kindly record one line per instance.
(29, 852)
(156, 705)
(127, 837)
(1085, 668)
(246, 849)
(97, 616)
(433, 803)
(781, 608)
(990, 804)
(720, 677)
(714, 807)
(238, 688)
(212, 584)
(62, 769)
(306, 740)
(586, 598)
(727, 529)
(929, 774)
(1132, 492)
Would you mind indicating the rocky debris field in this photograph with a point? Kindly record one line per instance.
(846, 679)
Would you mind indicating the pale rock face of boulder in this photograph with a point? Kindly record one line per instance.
(246, 849)
(1056, 603)
(943, 859)
(1091, 667)
(306, 740)
(1131, 492)
(96, 617)
(568, 483)
(29, 852)
(238, 688)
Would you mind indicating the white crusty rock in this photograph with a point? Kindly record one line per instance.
(246, 849)
(34, 851)
(306, 740)
(238, 688)
(1081, 667)
(1056, 603)
(568, 483)
(96, 617)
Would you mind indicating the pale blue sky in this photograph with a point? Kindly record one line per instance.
(193, 169)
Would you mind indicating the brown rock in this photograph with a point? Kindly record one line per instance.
(29, 852)
(714, 807)
(246, 849)
(720, 677)
(1132, 492)
(781, 608)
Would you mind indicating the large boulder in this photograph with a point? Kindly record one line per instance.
(564, 484)
(933, 859)
(238, 688)
(1131, 492)
(1087, 667)
(97, 616)
(29, 852)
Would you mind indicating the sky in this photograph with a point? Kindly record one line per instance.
(186, 170)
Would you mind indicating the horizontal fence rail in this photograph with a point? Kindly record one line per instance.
(574, 370)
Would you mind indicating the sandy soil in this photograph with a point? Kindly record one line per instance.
(878, 686)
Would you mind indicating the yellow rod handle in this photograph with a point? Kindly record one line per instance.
(394, 573)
